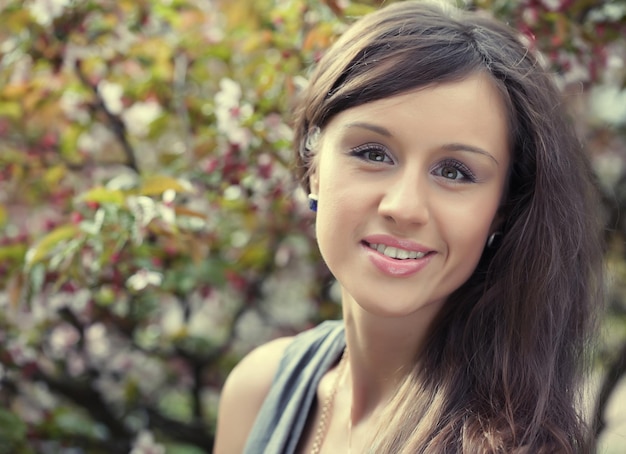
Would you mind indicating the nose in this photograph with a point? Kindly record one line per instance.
(405, 199)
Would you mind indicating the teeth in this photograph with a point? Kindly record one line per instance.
(396, 253)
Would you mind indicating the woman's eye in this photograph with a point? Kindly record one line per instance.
(451, 173)
(455, 171)
(371, 153)
(374, 155)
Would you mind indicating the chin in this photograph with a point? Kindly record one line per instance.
(397, 309)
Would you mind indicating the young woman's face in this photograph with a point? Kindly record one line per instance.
(408, 189)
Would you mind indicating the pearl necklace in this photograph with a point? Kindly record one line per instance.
(327, 409)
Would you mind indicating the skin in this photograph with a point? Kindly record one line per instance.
(243, 394)
(428, 167)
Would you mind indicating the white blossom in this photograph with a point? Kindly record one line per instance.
(21, 353)
(123, 181)
(552, 5)
(138, 117)
(608, 104)
(111, 94)
(289, 297)
(277, 129)
(71, 104)
(45, 11)
(97, 139)
(172, 319)
(62, 339)
(143, 208)
(209, 317)
(251, 330)
(233, 192)
(229, 94)
(98, 342)
(609, 167)
(22, 70)
(145, 444)
(231, 113)
(143, 278)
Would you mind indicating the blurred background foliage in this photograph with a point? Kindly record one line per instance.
(150, 231)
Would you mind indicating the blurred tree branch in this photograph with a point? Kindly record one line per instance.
(114, 122)
(614, 373)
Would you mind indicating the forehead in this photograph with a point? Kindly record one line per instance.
(475, 91)
(470, 110)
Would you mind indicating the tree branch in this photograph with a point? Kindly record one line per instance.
(114, 122)
(616, 370)
(195, 433)
(89, 399)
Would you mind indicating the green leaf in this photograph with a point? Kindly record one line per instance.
(74, 422)
(12, 430)
(183, 449)
(46, 246)
(12, 252)
(69, 139)
(176, 404)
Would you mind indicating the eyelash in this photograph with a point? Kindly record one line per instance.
(467, 175)
(361, 152)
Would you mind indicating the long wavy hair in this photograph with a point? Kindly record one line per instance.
(502, 366)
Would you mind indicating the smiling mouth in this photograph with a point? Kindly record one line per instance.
(394, 252)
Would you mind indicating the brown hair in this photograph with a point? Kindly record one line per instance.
(502, 365)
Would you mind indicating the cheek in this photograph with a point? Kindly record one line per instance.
(332, 187)
(468, 225)
(337, 207)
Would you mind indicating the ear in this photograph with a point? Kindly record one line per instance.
(312, 146)
(314, 181)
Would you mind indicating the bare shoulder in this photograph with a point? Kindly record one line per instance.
(243, 394)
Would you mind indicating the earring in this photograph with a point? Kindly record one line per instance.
(313, 202)
(493, 238)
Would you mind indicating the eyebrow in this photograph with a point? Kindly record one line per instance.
(470, 148)
(447, 147)
(374, 128)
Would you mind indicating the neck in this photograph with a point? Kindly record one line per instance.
(382, 352)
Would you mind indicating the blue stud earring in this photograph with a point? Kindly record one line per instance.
(313, 202)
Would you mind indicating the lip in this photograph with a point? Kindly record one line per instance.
(394, 267)
(388, 240)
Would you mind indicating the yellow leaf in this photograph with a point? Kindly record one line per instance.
(14, 289)
(54, 174)
(14, 91)
(357, 10)
(103, 195)
(319, 37)
(12, 252)
(16, 21)
(158, 184)
(10, 109)
(46, 245)
(254, 255)
(69, 139)
(241, 13)
(3, 216)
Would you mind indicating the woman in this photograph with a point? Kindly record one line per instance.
(455, 208)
